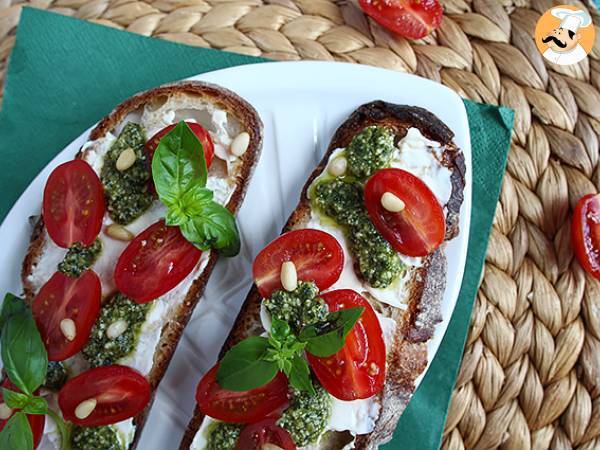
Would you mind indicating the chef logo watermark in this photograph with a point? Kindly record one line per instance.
(565, 34)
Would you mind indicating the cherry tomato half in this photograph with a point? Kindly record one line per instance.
(241, 407)
(585, 233)
(200, 132)
(358, 369)
(254, 436)
(413, 19)
(37, 422)
(317, 256)
(62, 298)
(420, 227)
(115, 392)
(156, 261)
(73, 205)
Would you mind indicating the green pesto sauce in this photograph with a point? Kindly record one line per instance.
(102, 351)
(56, 376)
(369, 151)
(298, 308)
(127, 193)
(79, 258)
(307, 416)
(223, 436)
(98, 438)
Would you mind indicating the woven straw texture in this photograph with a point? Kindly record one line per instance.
(530, 378)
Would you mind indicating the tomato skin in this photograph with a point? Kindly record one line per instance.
(316, 254)
(254, 436)
(37, 422)
(63, 297)
(420, 227)
(73, 205)
(585, 233)
(241, 407)
(363, 357)
(413, 19)
(153, 263)
(120, 392)
(203, 136)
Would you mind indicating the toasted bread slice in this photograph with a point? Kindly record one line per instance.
(197, 99)
(407, 355)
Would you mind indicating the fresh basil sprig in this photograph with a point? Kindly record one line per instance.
(17, 433)
(180, 174)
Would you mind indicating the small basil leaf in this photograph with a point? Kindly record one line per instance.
(15, 400)
(17, 433)
(23, 354)
(10, 306)
(243, 367)
(280, 329)
(299, 375)
(36, 405)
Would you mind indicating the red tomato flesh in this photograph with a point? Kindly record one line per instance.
(358, 369)
(156, 261)
(73, 205)
(120, 393)
(413, 19)
(37, 422)
(585, 233)
(63, 297)
(317, 256)
(420, 227)
(241, 407)
(200, 132)
(254, 436)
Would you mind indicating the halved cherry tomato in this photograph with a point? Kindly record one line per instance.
(119, 393)
(585, 233)
(420, 227)
(317, 256)
(358, 369)
(413, 19)
(241, 407)
(63, 297)
(254, 436)
(36, 421)
(155, 262)
(200, 132)
(73, 205)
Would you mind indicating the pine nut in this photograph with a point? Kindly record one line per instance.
(240, 144)
(289, 276)
(119, 232)
(392, 203)
(5, 411)
(116, 329)
(67, 326)
(85, 408)
(126, 159)
(269, 446)
(338, 167)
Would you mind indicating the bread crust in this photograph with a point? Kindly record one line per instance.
(250, 122)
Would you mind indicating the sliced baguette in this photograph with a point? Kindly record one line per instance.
(249, 121)
(407, 357)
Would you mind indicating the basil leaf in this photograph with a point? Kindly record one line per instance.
(326, 338)
(10, 306)
(23, 354)
(36, 405)
(243, 367)
(17, 433)
(15, 400)
(299, 375)
(178, 164)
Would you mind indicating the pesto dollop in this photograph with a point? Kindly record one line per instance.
(307, 416)
(79, 258)
(100, 349)
(298, 308)
(127, 193)
(343, 201)
(98, 438)
(56, 376)
(223, 436)
(369, 151)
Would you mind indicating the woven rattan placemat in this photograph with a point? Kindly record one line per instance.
(530, 378)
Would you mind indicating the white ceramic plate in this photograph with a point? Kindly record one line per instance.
(301, 105)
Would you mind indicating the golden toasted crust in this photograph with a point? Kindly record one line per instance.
(250, 122)
(407, 358)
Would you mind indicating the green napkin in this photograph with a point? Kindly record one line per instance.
(65, 74)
